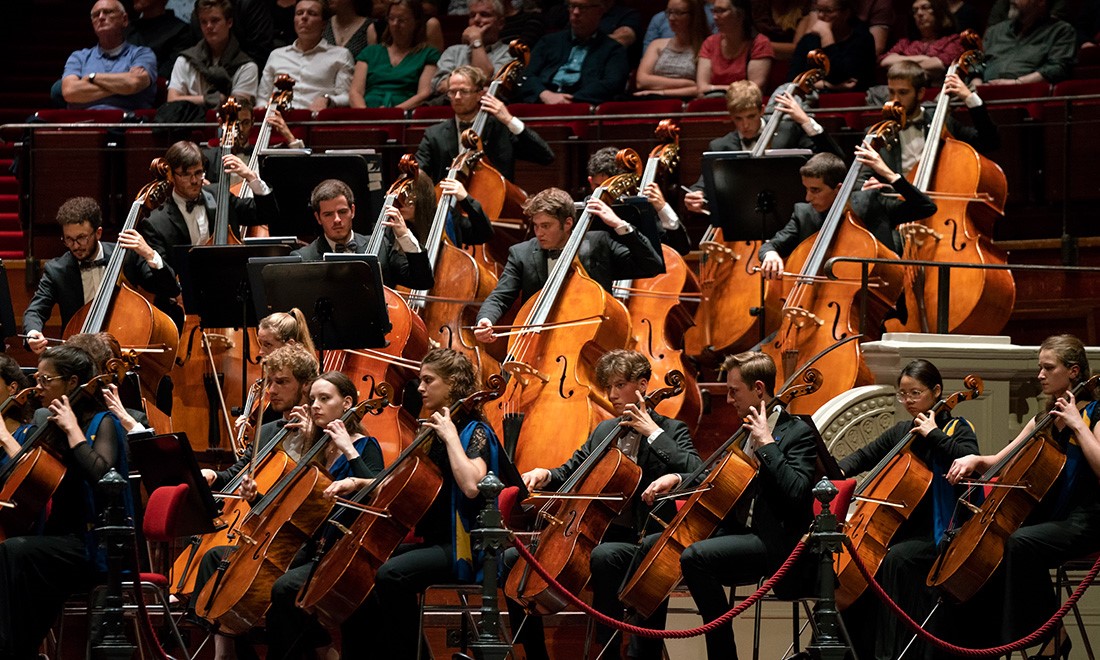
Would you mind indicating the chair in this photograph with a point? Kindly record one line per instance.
(372, 127)
(1062, 582)
(432, 112)
(79, 116)
(1025, 92)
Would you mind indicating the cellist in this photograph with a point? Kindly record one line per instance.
(38, 572)
(1066, 524)
(660, 446)
(14, 429)
(755, 539)
(73, 279)
(623, 252)
(874, 630)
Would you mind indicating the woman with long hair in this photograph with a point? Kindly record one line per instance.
(668, 65)
(932, 43)
(397, 71)
(737, 52)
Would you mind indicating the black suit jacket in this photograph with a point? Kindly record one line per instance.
(165, 228)
(880, 215)
(672, 451)
(61, 285)
(398, 268)
(603, 74)
(439, 147)
(604, 258)
(982, 135)
(787, 136)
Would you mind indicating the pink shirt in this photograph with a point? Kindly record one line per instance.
(723, 71)
(945, 49)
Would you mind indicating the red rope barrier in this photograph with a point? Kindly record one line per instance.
(1005, 649)
(662, 634)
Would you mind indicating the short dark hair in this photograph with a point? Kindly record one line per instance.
(924, 372)
(224, 5)
(911, 71)
(554, 202)
(183, 155)
(603, 162)
(330, 189)
(11, 372)
(825, 166)
(753, 366)
(628, 365)
(99, 345)
(79, 210)
(70, 361)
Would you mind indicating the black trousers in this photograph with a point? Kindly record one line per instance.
(291, 631)
(37, 574)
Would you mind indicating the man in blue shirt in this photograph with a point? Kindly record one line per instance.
(114, 74)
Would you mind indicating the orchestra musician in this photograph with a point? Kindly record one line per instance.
(73, 279)
(873, 628)
(282, 328)
(754, 539)
(620, 253)
(15, 418)
(1020, 597)
(402, 260)
(465, 450)
(660, 446)
(38, 572)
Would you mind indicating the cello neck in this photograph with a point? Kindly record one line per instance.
(263, 139)
(767, 134)
(97, 313)
(482, 116)
(221, 217)
(927, 163)
(374, 244)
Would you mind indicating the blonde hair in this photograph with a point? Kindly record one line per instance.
(290, 326)
(743, 95)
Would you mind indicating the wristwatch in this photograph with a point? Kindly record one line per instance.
(476, 43)
(91, 77)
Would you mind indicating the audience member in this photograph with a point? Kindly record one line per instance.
(581, 64)
(668, 66)
(523, 24)
(282, 22)
(737, 52)
(621, 23)
(659, 27)
(783, 22)
(215, 68)
(932, 44)
(481, 45)
(504, 138)
(845, 40)
(322, 72)
(1031, 46)
(253, 25)
(380, 83)
(157, 27)
(347, 27)
(380, 10)
(879, 17)
(966, 16)
(113, 74)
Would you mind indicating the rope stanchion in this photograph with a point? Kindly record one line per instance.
(662, 634)
(1039, 635)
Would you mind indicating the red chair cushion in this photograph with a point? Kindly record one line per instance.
(846, 488)
(162, 512)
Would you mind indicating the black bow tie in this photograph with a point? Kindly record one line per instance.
(553, 254)
(192, 203)
(346, 247)
(92, 263)
(465, 125)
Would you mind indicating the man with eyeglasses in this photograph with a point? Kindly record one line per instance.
(481, 45)
(73, 279)
(504, 138)
(580, 65)
(113, 74)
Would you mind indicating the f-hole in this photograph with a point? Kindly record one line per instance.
(561, 380)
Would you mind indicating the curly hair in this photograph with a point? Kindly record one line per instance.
(455, 368)
(79, 210)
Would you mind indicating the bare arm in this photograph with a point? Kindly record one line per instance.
(423, 89)
(758, 70)
(358, 88)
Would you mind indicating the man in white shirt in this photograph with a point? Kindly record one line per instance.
(322, 72)
(215, 68)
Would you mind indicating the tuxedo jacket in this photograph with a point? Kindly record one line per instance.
(603, 76)
(982, 135)
(165, 228)
(671, 452)
(787, 136)
(606, 256)
(398, 268)
(880, 215)
(61, 285)
(439, 147)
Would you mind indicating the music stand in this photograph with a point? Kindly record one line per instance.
(293, 176)
(639, 212)
(751, 198)
(341, 296)
(167, 460)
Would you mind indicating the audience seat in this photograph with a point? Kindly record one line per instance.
(615, 127)
(1026, 91)
(372, 127)
(59, 116)
(432, 112)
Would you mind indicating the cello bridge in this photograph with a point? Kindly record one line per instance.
(801, 317)
(247, 539)
(218, 342)
(551, 518)
(917, 233)
(516, 368)
(718, 251)
(341, 528)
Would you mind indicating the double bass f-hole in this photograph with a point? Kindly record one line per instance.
(835, 306)
(447, 333)
(955, 245)
(564, 360)
(569, 524)
(649, 338)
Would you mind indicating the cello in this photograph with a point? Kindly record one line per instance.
(125, 313)
(658, 315)
(551, 357)
(238, 595)
(388, 510)
(578, 516)
(729, 471)
(1023, 477)
(729, 280)
(899, 478)
(818, 312)
(31, 477)
(281, 97)
(970, 192)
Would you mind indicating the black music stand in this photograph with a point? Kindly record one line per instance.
(639, 212)
(293, 176)
(167, 460)
(751, 198)
(341, 296)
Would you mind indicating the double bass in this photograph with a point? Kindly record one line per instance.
(729, 278)
(125, 313)
(818, 312)
(658, 313)
(578, 516)
(900, 478)
(729, 473)
(969, 190)
(1023, 477)
(239, 593)
(561, 332)
(281, 97)
(388, 510)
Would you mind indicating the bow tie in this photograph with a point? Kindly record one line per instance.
(553, 254)
(346, 247)
(192, 203)
(92, 263)
(465, 125)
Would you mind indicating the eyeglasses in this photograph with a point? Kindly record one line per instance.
(196, 175)
(910, 395)
(104, 12)
(45, 380)
(581, 7)
(455, 93)
(79, 239)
